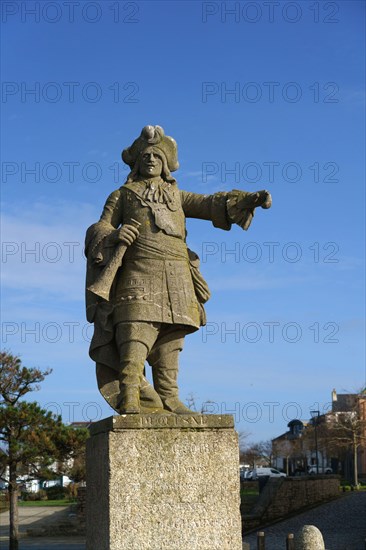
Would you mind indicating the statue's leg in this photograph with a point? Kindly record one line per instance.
(134, 341)
(164, 360)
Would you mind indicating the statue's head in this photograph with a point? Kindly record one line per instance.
(152, 154)
(151, 162)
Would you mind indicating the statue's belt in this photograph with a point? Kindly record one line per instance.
(147, 248)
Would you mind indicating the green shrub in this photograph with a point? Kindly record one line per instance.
(39, 495)
(56, 492)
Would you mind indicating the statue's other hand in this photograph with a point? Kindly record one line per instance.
(125, 235)
(264, 199)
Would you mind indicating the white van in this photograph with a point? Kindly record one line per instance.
(271, 472)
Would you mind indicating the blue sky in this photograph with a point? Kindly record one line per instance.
(268, 96)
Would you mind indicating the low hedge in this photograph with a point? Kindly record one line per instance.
(4, 502)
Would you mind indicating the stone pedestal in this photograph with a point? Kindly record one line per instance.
(163, 482)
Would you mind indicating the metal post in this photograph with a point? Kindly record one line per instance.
(261, 544)
(290, 542)
(316, 448)
(315, 417)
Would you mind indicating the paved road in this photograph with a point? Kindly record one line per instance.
(33, 517)
(342, 523)
(41, 543)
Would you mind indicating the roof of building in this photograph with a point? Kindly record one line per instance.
(345, 402)
(80, 424)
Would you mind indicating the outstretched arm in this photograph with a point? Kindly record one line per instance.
(206, 207)
(225, 208)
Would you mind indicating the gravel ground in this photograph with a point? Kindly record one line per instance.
(342, 523)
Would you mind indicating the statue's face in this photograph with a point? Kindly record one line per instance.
(151, 164)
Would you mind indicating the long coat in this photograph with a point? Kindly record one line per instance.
(156, 281)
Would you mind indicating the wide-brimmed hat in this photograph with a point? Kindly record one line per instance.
(152, 136)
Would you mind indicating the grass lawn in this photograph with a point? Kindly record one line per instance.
(249, 496)
(63, 502)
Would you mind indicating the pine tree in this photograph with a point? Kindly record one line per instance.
(32, 438)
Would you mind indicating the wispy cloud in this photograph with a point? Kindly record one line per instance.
(193, 174)
(355, 96)
(42, 251)
(254, 282)
(197, 175)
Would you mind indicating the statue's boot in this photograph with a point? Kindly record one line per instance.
(133, 355)
(164, 363)
(129, 396)
(150, 402)
(109, 386)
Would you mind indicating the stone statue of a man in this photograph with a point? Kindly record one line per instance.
(158, 292)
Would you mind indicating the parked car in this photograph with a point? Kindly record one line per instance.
(312, 470)
(270, 472)
(245, 475)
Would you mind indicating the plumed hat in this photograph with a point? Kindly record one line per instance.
(152, 136)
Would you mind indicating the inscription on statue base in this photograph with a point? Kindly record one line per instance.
(163, 482)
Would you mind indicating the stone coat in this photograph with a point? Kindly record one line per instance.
(155, 281)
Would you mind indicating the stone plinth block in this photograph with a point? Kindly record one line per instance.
(159, 482)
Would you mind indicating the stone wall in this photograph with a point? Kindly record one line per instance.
(282, 497)
(81, 503)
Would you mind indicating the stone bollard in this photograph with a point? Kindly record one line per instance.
(309, 538)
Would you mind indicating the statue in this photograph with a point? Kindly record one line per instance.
(145, 292)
